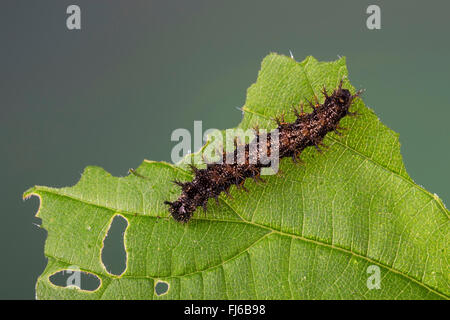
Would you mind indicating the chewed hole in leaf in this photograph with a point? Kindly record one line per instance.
(114, 256)
(161, 288)
(75, 278)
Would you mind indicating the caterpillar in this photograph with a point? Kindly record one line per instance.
(309, 129)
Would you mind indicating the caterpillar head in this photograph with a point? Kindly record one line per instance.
(179, 211)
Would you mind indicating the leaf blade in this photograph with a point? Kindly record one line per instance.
(338, 214)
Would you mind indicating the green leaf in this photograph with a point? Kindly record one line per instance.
(314, 231)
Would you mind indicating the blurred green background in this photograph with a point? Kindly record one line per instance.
(112, 93)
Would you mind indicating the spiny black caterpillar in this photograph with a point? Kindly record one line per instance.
(309, 129)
